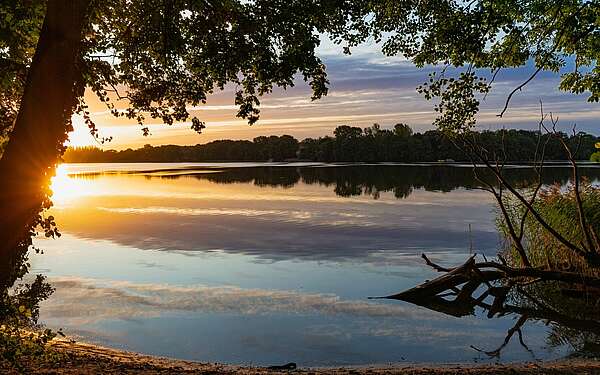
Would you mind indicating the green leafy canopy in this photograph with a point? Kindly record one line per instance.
(162, 56)
(561, 36)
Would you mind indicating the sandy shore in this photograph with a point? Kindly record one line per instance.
(80, 358)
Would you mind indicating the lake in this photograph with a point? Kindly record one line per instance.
(264, 264)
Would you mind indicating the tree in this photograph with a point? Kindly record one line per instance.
(42, 118)
(479, 36)
(159, 57)
(347, 143)
(402, 130)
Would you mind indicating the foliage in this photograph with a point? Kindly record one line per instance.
(19, 27)
(556, 36)
(376, 144)
(558, 208)
(458, 104)
(402, 130)
(574, 306)
(160, 58)
(20, 340)
(260, 149)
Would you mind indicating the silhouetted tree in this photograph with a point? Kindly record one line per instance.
(372, 144)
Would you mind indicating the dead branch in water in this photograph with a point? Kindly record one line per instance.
(478, 273)
(493, 285)
(487, 285)
(516, 328)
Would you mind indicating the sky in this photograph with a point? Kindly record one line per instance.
(365, 88)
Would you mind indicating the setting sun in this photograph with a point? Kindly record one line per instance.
(66, 189)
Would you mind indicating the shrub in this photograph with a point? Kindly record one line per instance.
(21, 338)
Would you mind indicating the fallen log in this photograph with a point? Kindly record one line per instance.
(460, 290)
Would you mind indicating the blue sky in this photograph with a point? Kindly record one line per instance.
(365, 88)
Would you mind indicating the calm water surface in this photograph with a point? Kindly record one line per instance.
(267, 264)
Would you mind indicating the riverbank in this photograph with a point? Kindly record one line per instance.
(78, 358)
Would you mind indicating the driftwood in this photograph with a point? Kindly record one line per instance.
(488, 285)
(474, 274)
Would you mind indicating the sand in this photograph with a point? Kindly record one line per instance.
(81, 358)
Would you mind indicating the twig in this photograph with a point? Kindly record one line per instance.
(519, 88)
(516, 328)
(435, 266)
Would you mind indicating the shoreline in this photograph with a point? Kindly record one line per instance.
(93, 359)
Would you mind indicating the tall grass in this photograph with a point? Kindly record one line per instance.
(557, 205)
(575, 303)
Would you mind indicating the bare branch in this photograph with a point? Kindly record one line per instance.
(538, 168)
(518, 88)
(547, 54)
(433, 265)
(507, 219)
(515, 329)
(576, 188)
(534, 212)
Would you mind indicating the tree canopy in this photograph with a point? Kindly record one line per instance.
(162, 56)
(349, 144)
(561, 36)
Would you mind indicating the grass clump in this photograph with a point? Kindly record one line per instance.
(557, 205)
(574, 307)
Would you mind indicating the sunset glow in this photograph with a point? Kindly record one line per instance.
(365, 88)
(66, 189)
(80, 136)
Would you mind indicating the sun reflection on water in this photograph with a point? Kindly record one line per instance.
(66, 188)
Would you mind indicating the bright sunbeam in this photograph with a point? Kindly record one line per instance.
(65, 188)
(60, 184)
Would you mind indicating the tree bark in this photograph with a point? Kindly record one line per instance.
(41, 126)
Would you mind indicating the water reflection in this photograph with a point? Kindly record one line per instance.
(216, 208)
(571, 310)
(208, 209)
(348, 180)
(273, 264)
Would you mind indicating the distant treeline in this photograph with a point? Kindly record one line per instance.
(348, 144)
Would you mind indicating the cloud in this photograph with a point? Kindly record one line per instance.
(278, 227)
(259, 326)
(366, 87)
(82, 301)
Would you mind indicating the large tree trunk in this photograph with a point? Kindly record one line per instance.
(40, 129)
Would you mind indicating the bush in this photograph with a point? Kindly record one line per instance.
(557, 205)
(22, 340)
(574, 306)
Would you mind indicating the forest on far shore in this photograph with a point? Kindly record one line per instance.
(348, 144)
